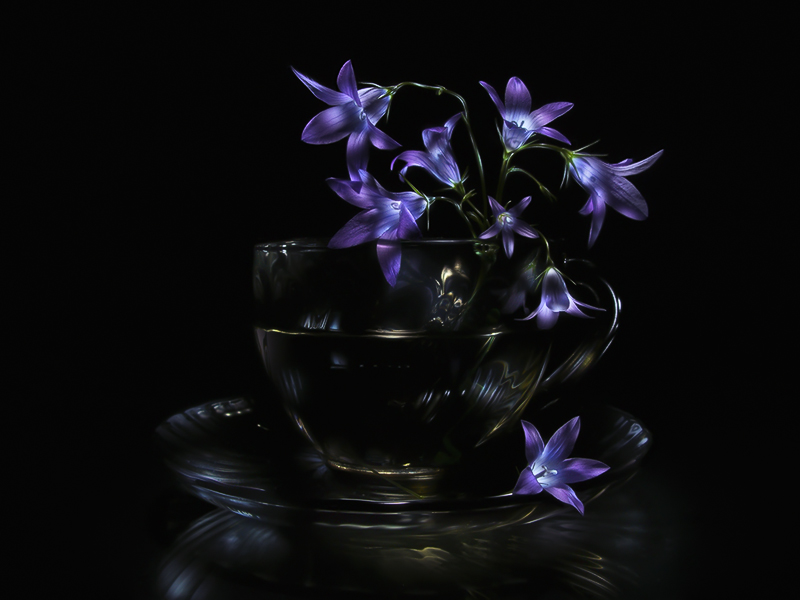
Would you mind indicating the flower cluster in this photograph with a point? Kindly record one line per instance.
(387, 217)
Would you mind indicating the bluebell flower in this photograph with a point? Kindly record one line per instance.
(519, 122)
(439, 160)
(507, 223)
(550, 470)
(555, 300)
(353, 115)
(386, 217)
(607, 185)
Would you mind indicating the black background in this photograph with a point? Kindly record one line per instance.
(187, 129)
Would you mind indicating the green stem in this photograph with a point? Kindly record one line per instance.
(548, 194)
(503, 176)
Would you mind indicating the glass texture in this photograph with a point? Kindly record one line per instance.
(409, 381)
(230, 454)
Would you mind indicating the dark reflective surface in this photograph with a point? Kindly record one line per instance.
(310, 532)
(625, 542)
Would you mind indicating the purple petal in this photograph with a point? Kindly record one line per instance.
(554, 291)
(493, 230)
(364, 227)
(577, 312)
(375, 102)
(451, 122)
(495, 98)
(508, 241)
(534, 445)
(435, 139)
(389, 259)
(332, 124)
(518, 100)
(598, 216)
(327, 95)
(407, 227)
(527, 484)
(523, 228)
(627, 167)
(497, 208)
(542, 116)
(350, 192)
(552, 133)
(560, 445)
(532, 314)
(546, 318)
(566, 495)
(416, 158)
(414, 203)
(521, 205)
(584, 305)
(591, 173)
(514, 136)
(357, 153)
(380, 140)
(347, 82)
(626, 199)
(573, 470)
(587, 208)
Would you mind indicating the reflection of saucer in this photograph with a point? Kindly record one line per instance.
(226, 453)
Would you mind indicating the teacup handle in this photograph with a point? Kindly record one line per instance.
(590, 351)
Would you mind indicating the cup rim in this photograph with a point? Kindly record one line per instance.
(322, 243)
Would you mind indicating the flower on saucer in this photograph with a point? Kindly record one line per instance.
(550, 470)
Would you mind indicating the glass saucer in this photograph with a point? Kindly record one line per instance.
(232, 454)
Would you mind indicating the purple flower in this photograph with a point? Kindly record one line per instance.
(519, 123)
(386, 217)
(353, 113)
(550, 470)
(438, 160)
(607, 185)
(507, 223)
(555, 300)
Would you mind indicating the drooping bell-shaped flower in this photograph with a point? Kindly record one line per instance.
(607, 186)
(549, 467)
(353, 115)
(556, 300)
(439, 160)
(507, 223)
(386, 217)
(519, 122)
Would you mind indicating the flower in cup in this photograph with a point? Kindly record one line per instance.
(550, 470)
(607, 186)
(507, 223)
(556, 300)
(353, 114)
(386, 217)
(519, 122)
